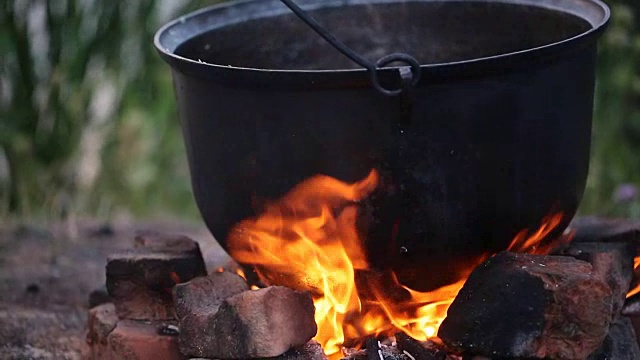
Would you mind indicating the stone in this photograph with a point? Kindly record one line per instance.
(530, 306)
(140, 281)
(596, 229)
(620, 343)
(309, 351)
(613, 262)
(256, 323)
(198, 300)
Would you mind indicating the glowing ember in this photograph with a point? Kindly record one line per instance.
(308, 240)
(636, 268)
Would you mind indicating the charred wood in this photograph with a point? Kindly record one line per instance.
(415, 349)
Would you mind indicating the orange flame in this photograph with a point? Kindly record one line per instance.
(308, 240)
(636, 268)
(241, 273)
(524, 242)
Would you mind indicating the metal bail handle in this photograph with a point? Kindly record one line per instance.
(409, 78)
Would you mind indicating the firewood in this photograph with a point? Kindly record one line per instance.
(373, 350)
(416, 349)
(256, 323)
(530, 306)
(139, 281)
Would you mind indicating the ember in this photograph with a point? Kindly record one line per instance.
(308, 240)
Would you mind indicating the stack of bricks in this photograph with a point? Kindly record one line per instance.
(138, 321)
(161, 305)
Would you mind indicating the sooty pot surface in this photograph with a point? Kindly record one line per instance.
(493, 138)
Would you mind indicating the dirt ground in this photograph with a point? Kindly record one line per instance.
(47, 273)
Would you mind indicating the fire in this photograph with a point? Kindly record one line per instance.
(308, 240)
(636, 268)
(534, 243)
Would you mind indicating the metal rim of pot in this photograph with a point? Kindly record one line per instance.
(168, 38)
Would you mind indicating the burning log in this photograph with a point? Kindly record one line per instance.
(198, 300)
(530, 306)
(139, 281)
(254, 324)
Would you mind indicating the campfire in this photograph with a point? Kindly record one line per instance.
(450, 248)
(309, 241)
(314, 281)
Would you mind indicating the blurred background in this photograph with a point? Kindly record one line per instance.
(88, 124)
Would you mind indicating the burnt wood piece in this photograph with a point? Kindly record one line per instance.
(416, 349)
(613, 262)
(595, 229)
(140, 280)
(370, 352)
(198, 300)
(530, 306)
(374, 352)
(257, 323)
(620, 343)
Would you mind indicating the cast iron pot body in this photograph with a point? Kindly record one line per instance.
(494, 137)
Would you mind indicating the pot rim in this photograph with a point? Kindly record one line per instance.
(176, 32)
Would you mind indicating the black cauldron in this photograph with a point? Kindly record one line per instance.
(494, 136)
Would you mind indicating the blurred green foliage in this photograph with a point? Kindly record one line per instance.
(615, 151)
(88, 121)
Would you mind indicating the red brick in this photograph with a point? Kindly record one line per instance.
(137, 340)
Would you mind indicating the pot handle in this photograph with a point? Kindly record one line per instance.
(410, 74)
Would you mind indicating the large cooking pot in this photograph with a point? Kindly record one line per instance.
(494, 136)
